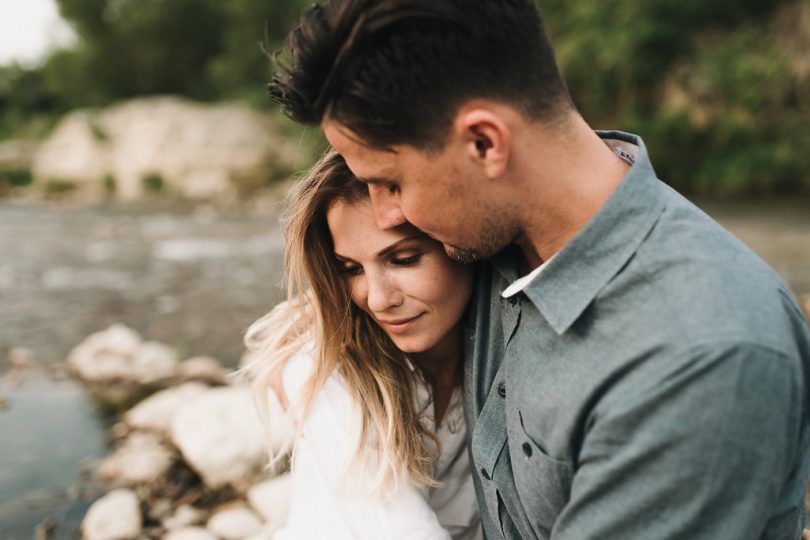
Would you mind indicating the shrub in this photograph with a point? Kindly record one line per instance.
(58, 187)
(153, 183)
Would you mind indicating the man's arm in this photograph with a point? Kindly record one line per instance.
(706, 452)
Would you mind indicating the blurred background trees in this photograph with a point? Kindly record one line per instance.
(719, 89)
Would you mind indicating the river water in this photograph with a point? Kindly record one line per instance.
(194, 279)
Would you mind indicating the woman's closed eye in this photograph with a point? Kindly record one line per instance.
(350, 269)
(399, 260)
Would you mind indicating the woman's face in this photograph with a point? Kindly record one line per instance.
(399, 276)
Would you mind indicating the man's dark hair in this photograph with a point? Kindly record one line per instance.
(396, 71)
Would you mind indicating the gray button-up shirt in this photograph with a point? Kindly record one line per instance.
(650, 383)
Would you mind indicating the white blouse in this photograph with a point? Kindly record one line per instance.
(332, 500)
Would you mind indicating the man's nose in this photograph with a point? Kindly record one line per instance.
(387, 211)
(382, 292)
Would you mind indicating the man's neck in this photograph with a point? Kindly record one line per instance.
(566, 181)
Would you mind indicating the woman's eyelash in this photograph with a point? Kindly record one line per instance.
(406, 261)
(349, 270)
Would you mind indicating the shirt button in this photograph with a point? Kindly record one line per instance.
(485, 474)
(502, 390)
(527, 449)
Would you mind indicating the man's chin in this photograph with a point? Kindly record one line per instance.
(462, 255)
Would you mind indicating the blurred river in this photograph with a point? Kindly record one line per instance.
(192, 279)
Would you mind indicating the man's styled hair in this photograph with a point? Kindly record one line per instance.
(396, 71)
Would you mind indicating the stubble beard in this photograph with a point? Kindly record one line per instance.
(495, 235)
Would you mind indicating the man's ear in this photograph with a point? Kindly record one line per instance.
(487, 138)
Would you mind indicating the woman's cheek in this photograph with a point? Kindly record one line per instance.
(359, 292)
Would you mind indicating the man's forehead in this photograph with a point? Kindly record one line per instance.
(370, 165)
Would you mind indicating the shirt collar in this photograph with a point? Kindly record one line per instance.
(573, 277)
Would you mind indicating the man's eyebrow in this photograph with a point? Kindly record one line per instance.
(385, 251)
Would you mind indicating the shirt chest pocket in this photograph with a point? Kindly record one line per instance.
(542, 482)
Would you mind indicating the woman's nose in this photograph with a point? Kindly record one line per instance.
(383, 293)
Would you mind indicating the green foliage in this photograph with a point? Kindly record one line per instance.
(706, 84)
(153, 183)
(716, 88)
(16, 177)
(58, 187)
(109, 184)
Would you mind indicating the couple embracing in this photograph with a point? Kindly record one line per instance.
(501, 324)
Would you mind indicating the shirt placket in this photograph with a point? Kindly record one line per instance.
(489, 439)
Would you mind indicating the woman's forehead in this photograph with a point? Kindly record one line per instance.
(355, 232)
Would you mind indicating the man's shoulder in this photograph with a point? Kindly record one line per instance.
(706, 283)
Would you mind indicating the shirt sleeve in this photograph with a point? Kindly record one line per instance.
(331, 495)
(706, 452)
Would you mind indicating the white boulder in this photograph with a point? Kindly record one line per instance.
(105, 355)
(184, 517)
(220, 436)
(235, 523)
(116, 516)
(271, 499)
(141, 459)
(118, 354)
(153, 362)
(201, 368)
(190, 533)
(155, 413)
(198, 150)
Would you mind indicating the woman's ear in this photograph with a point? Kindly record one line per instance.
(487, 137)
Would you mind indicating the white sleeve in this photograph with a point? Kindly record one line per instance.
(328, 503)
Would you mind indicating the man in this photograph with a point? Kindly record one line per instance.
(647, 376)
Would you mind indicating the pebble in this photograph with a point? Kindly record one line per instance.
(21, 357)
(271, 499)
(44, 529)
(235, 523)
(190, 533)
(185, 516)
(201, 368)
(115, 516)
(141, 459)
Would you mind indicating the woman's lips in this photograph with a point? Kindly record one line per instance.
(400, 326)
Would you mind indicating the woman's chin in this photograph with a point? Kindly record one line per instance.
(410, 345)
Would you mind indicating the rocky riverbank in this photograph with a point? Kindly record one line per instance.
(189, 460)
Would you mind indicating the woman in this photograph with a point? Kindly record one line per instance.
(369, 350)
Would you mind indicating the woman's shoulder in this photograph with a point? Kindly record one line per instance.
(332, 399)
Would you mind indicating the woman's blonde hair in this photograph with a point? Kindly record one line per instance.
(319, 312)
